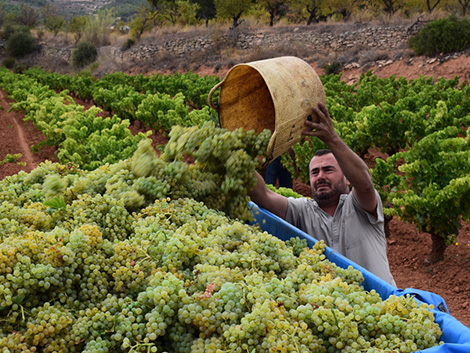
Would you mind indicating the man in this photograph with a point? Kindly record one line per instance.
(350, 222)
(276, 172)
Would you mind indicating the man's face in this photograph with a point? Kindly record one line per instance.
(327, 181)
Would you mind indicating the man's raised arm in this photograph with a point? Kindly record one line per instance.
(268, 199)
(353, 167)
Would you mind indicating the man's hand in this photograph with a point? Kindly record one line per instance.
(323, 128)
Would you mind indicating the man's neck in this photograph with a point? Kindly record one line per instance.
(330, 209)
(328, 206)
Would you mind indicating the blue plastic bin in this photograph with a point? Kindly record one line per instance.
(455, 334)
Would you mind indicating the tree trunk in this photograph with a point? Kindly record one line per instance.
(235, 19)
(313, 14)
(464, 4)
(432, 7)
(389, 7)
(438, 249)
(311, 19)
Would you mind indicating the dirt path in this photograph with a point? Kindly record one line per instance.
(23, 146)
(17, 136)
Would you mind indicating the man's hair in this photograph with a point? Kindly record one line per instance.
(322, 152)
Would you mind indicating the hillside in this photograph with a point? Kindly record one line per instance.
(352, 48)
(79, 7)
(69, 8)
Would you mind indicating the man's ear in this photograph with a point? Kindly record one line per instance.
(348, 184)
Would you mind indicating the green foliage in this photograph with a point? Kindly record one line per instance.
(332, 68)
(9, 28)
(56, 203)
(77, 26)
(120, 100)
(229, 9)
(431, 189)
(55, 23)
(20, 44)
(80, 136)
(128, 43)
(161, 112)
(97, 28)
(11, 158)
(85, 54)
(312, 12)
(126, 9)
(143, 22)
(187, 12)
(9, 62)
(206, 10)
(19, 68)
(446, 35)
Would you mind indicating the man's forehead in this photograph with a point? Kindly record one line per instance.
(327, 160)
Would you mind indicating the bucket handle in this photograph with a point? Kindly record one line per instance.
(209, 97)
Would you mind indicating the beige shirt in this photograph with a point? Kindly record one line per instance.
(352, 231)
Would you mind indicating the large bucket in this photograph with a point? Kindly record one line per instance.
(276, 94)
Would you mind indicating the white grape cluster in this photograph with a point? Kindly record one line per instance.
(223, 160)
(131, 258)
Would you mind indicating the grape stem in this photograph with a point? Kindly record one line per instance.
(135, 348)
(334, 315)
(292, 335)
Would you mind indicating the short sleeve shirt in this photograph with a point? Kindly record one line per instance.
(352, 231)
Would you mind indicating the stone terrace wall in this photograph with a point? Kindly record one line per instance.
(380, 38)
(324, 38)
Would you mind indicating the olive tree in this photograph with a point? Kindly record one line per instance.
(390, 7)
(464, 6)
(314, 10)
(275, 8)
(206, 10)
(55, 23)
(28, 16)
(344, 8)
(232, 9)
(77, 27)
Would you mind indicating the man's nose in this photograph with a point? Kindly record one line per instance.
(321, 174)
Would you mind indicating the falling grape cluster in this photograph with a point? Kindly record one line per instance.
(155, 254)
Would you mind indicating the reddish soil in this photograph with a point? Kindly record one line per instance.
(407, 249)
(18, 136)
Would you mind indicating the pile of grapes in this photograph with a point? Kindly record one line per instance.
(154, 254)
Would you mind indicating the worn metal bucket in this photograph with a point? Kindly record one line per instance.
(276, 94)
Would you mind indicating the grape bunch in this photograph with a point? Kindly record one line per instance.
(224, 160)
(287, 192)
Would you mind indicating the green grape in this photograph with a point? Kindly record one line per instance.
(287, 192)
(163, 260)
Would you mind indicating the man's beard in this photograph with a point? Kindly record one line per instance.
(331, 197)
